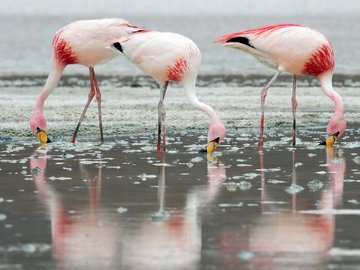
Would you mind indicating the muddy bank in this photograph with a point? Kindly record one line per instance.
(129, 110)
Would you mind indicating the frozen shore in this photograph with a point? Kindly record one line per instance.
(133, 108)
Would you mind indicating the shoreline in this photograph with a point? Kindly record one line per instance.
(129, 110)
(204, 80)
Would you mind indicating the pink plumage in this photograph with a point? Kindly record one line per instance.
(255, 32)
(295, 49)
(84, 42)
(170, 57)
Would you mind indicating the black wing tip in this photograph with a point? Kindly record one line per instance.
(242, 40)
(118, 46)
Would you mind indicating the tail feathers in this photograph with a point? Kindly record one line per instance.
(252, 33)
(225, 38)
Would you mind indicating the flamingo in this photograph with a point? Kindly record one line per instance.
(86, 43)
(298, 50)
(170, 57)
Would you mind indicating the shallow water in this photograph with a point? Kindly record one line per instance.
(122, 205)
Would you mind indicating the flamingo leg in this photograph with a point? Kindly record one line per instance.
(161, 117)
(263, 97)
(90, 97)
(294, 106)
(98, 99)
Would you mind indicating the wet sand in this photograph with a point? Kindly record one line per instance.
(121, 205)
(133, 108)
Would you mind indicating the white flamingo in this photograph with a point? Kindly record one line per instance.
(296, 49)
(170, 57)
(86, 43)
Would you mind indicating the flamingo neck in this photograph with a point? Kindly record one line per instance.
(191, 95)
(326, 86)
(51, 83)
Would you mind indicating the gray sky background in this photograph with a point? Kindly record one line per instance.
(27, 28)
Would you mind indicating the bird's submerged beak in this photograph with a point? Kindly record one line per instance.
(42, 136)
(330, 140)
(211, 146)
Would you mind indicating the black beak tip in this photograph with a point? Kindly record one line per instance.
(322, 143)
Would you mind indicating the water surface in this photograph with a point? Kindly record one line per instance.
(122, 205)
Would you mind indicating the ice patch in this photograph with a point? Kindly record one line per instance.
(269, 170)
(122, 210)
(231, 186)
(2, 217)
(315, 185)
(53, 178)
(67, 156)
(240, 204)
(244, 165)
(163, 164)
(293, 189)
(337, 252)
(250, 175)
(274, 181)
(129, 151)
(356, 159)
(354, 212)
(113, 167)
(26, 248)
(148, 148)
(145, 176)
(244, 185)
(196, 159)
(353, 201)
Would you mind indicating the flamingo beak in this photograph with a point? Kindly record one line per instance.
(330, 140)
(42, 135)
(212, 145)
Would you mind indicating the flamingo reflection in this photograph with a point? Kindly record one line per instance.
(77, 240)
(91, 239)
(281, 235)
(172, 239)
(293, 235)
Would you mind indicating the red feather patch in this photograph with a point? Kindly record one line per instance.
(63, 51)
(320, 61)
(177, 71)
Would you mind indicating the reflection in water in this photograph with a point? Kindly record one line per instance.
(77, 240)
(281, 235)
(85, 237)
(173, 240)
(189, 227)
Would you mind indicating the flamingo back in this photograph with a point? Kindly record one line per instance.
(87, 42)
(164, 56)
(290, 47)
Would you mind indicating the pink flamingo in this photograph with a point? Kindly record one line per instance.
(298, 50)
(170, 57)
(86, 43)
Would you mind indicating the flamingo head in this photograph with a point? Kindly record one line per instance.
(216, 134)
(336, 128)
(38, 126)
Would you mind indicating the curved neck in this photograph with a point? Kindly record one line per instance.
(326, 86)
(191, 95)
(51, 83)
